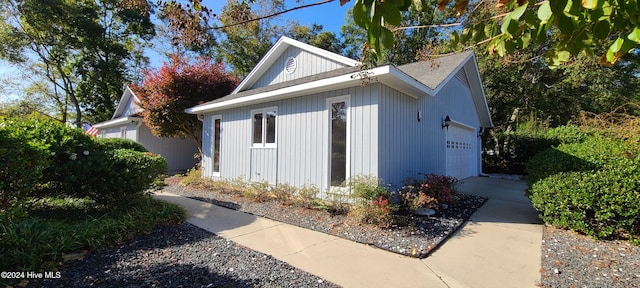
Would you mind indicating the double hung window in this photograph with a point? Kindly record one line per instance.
(264, 127)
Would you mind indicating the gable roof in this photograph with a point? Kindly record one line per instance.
(278, 49)
(414, 79)
(118, 117)
(127, 96)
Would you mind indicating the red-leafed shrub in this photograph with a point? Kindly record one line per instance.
(165, 94)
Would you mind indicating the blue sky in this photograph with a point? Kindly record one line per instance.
(330, 15)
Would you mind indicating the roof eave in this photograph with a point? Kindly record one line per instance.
(117, 122)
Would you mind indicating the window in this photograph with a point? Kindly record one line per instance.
(264, 127)
(217, 122)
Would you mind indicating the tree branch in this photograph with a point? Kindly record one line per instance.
(273, 15)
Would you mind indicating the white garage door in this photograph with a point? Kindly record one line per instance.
(460, 147)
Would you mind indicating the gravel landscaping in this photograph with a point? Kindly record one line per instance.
(180, 256)
(413, 240)
(573, 260)
(187, 256)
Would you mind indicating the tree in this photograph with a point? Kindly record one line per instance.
(244, 45)
(84, 47)
(165, 94)
(314, 36)
(515, 25)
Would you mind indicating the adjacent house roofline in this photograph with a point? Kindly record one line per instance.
(122, 105)
(117, 122)
(278, 48)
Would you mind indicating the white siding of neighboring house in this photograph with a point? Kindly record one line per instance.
(302, 139)
(307, 64)
(127, 131)
(131, 108)
(178, 152)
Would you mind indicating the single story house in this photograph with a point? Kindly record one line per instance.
(127, 123)
(306, 116)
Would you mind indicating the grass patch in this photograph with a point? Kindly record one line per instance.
(51, 228)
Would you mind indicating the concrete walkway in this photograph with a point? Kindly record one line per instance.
(498, 247)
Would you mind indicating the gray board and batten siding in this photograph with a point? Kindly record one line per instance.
(386, 138)
(394, 117)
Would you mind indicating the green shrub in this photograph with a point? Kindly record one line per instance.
(602, 203)
(130, 173)
(594, 152)
(368, 187)
(80, 167)
(516, 148)
(379, 212)
(38, 243)
(22, 163)
(119, 143)
(283, 193)
(428, 192)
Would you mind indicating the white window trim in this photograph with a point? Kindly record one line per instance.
(123, 132)
(213, 130)
(264, 143)
(347, 100)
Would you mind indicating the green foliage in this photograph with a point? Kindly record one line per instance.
(585, 156)
(367, 187)
(74, 165)
(38, 243)
(120, 143)
(378, 212)
(22, 163)
(516, 148)
(75, 56)
(579, 26)
(601, 203)
(591, 186)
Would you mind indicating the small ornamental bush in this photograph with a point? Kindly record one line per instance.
(379, 212)
(367, 187)
(429, 192)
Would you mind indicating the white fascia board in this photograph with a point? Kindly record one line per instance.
(388, 75)
(318, 85)
(116, 122)
(402, 82)
(277, 49)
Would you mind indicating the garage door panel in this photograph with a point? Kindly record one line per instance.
(460, 147)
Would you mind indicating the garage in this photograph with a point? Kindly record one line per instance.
(460, 146)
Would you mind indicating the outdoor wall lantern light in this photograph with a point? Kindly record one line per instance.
(446, 122)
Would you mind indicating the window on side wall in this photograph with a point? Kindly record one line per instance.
(264, 127)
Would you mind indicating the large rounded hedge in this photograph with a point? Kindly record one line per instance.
(603, 203)
(591, 187)
(79, 166)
